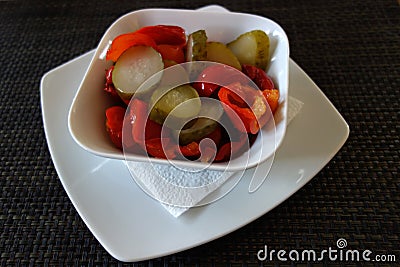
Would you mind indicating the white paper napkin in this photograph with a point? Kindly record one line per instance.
(180, 189)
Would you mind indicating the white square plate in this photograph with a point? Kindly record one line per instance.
(132, 226)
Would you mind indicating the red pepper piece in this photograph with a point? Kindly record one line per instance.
(205, 89)
(109, 85)
(208, 152)
(272, 97)
(137, 114)
(127, 139)
(142, 128)
(264, 83)
(259, 77)
(147, 36)
(215, 135)
(247, 107)
(155, 148)
(122, 42)
(114, 122)
(165, 34)
(230, 149)
(214, 76)
(171, 52)
(110, 88)
(190, 150)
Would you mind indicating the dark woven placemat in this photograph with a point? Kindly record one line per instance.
(351, 49)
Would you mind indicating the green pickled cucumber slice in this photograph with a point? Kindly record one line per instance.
(252, 48)
(174, 102)
(196, 46)
(136, 65)
(200, 128)
(206, 122)
(219, 52)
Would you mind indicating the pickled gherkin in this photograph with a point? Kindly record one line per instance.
(200, 128)
(219, 52)
(196, 46)
(181, 102)
(252, 48)
(135, 66)
(205, 123)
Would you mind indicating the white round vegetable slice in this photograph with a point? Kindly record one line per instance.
(133, 67)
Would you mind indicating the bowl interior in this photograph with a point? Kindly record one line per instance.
(86, 120)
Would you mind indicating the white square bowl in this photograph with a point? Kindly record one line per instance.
(86, 120)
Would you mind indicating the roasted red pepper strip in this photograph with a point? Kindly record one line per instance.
(114, 122)
(190, 150)
(147, 133)
(122, 42)
(247, 104)
(149, 36)
(272, 97)
(155, 148)
(109, 85)
(165, 34)
(215, 135)
(171, 52)
(231, 149)
(259, 77)
(208, 153)
(138, 116)
(214, 76)
(110, 88)
(142, 128)
(127, 139)
(264, 83)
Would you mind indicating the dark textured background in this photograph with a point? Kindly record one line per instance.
(351, 49)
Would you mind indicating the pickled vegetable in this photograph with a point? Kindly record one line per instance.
(252, 48)
(178, 108)
(218, 52)
(171, 52)
(114, 122)
(174, 102)
(196, 46)
(206, 122)
(201, 128)
(122, 42)
(133, 67)
(248, 109)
